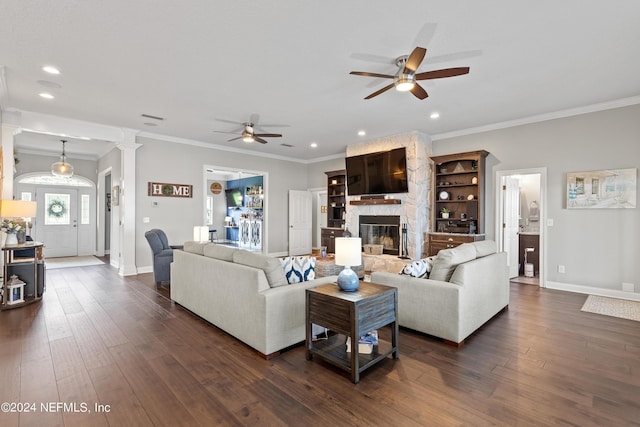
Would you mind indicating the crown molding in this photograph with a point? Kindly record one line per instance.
(624, 102)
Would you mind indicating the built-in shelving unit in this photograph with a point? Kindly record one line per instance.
(458, 199)
(336, 198)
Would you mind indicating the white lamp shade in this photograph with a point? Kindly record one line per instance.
(201, 233)
(348, 251)
(17, 209)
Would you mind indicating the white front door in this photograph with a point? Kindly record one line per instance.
(511, 190)
(57, 221)
(300, 222)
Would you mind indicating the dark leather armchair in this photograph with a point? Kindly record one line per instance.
(162, 255)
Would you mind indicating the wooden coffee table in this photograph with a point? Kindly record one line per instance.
(353, 314)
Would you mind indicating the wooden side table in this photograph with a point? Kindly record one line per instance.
(353, 314)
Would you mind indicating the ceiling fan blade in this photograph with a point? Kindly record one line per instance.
(419, 92)
(445, 72)
(415, 59)
(229, 121)
(234, 139)
(260, 140)
(384, 89)
(221, 131)
(367, 74)
(268, 135)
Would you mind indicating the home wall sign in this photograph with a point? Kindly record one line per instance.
(161, 189)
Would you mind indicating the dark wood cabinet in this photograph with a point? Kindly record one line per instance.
(530, 241)
(327, 238)
(439, 241)
(336, 198)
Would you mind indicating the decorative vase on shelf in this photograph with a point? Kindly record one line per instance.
(12, 239)
(445, 215)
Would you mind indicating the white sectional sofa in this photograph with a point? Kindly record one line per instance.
(243, 293)
(467, 286)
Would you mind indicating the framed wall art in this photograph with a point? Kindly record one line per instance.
(602, 189)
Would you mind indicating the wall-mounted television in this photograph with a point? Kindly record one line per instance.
(382, 172)
(234, 197)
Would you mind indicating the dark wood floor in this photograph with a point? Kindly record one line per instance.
(99, 339)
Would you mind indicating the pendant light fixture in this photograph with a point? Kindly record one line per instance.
(62, 168)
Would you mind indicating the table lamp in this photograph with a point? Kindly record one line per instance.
(348, 254)
(18, 210)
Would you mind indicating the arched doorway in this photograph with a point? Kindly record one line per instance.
(66, 212)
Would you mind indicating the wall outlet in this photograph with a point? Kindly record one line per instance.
(550, 222)
(561, 269)
(628, 287)
(145, 220)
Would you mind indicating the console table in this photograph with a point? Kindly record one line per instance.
(352, 314)
(26, 261)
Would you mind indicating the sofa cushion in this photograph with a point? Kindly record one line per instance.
(484, 248)
(420, 268)
(194, 247)
(223, 253)
(299, 268)
(271, 266)
(448, 259)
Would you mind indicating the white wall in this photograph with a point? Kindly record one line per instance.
(162, 161)
(599, 248)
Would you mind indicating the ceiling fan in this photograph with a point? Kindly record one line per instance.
(405, 79)
(249, 135)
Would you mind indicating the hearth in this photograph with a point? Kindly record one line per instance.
(381, 230)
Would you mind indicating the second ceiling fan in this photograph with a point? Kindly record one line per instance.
(405, 79)
(249, 135)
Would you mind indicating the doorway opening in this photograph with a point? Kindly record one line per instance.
(65, 217)
(520, 223)
(235, 207)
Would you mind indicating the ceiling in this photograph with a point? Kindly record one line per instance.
(201, 64)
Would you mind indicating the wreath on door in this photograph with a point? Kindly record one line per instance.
(56, 209)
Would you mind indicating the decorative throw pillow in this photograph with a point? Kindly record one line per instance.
(420, 268)
(299, 268)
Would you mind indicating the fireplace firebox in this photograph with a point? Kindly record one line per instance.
(381, 230)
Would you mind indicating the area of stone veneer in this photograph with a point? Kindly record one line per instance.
(415, 207)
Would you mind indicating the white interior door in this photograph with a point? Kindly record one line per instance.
(57, 221)
(300, 222)
(511, 190)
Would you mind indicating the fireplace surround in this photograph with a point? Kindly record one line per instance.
(381, 230)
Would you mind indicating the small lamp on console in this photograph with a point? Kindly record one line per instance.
(348, 254)
(18, 210)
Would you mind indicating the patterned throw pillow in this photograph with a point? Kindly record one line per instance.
(299, 268)
(419, 269)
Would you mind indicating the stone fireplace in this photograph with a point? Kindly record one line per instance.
(381, 230)
(412, 208)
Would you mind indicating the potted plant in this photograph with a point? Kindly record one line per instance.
(445, 212)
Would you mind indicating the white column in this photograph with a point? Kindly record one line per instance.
(9, 131)
(127, 217)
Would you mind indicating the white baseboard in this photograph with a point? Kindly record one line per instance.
(147, 269)
(612, 293)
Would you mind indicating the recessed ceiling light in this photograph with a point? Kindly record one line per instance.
(434, 115)
(361, 133)
(51, 70)
(314, 145)
(47, 95)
